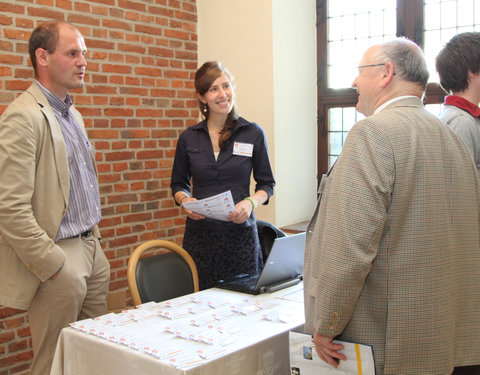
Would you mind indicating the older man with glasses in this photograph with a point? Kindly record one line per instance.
(392, 257)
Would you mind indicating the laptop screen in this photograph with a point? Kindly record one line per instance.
(285, 260)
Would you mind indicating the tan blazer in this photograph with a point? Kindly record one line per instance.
(34, 191)
(392, 256)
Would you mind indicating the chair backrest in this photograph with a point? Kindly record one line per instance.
(267, 233)
(162, 276)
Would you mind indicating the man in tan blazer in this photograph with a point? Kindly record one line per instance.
(392, 256)
(51, 260)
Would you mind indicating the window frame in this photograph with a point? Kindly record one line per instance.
(410, 23)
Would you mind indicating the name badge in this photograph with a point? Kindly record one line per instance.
(243, 149)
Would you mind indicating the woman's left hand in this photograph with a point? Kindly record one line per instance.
(242, 212)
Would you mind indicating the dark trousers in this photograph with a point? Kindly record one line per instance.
(467, 370)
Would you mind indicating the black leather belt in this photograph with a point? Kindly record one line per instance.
(85, 234)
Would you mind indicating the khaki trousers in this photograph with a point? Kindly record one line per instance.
(78, 292)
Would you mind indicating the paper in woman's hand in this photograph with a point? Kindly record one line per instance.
(215, 207)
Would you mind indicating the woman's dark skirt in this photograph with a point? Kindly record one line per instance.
(222, 254)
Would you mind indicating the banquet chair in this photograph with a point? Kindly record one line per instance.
(267, 233)
(170, 272)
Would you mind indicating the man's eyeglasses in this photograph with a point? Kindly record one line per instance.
(370, 65)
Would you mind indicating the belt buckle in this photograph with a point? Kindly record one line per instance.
(86, 233)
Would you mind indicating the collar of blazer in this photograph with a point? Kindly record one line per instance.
(400, 101)
(60, 150)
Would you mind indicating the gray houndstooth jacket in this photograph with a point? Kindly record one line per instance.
(392, 256)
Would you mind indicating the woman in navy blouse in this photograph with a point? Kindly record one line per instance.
(216, 155)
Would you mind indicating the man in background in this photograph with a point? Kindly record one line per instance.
(51, 260)
(458, 66)
(392, 256)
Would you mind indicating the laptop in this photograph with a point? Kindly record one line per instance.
(283, 268)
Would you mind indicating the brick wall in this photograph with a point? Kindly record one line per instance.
(138, 97)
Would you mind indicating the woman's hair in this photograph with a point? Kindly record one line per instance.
(458, 57)
(204, 78)
(408, 60)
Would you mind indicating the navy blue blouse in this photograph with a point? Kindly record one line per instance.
(195, 165)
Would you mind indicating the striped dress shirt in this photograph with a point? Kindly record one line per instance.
(83, 211)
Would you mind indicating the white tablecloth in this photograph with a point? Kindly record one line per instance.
(259, 346)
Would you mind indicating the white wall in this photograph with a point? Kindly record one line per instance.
(269, 46)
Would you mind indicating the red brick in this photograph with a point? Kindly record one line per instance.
(150, 30)
(134, 5)
(8, 311)
(20, 368)
(115, 24)
(134, 90)
(166, 213)
(176, 113)
(13, 323)
(110, 221)
(138, 217)
(10, 7)
(174, 4)
(150, 154)
(124, 155)
(112, 199)
(138, 175)
(6, 336)
(150, 196)
(17, 346)
(23, 332)
(137, 133)
(117, 123)
(120, 145)
(42, 12)
(103, 11)
(117, 263)
(121, 188)
(186, 55)
(185, 16)
(103, 134)
(122, 241)
(132, 48)
(164, 93)
(176, 74)
(99, 78)
(118, 167)
(5, 20)
(176, 34)
(137, 186)
(100, 44)
(15, 359)
(149, 113)
(189, 7)
(135, 144)
(64, 4)
(24, 23)
(149, 71)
